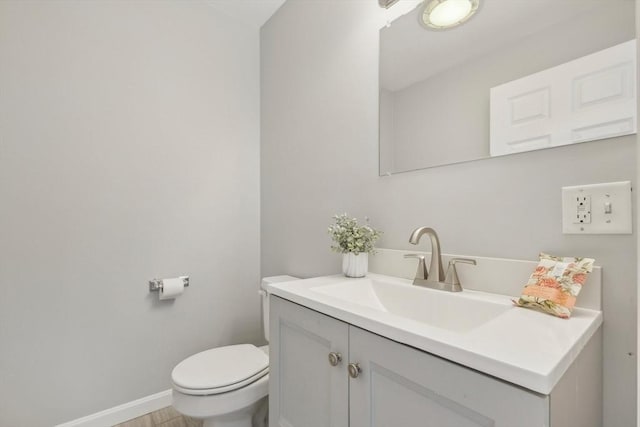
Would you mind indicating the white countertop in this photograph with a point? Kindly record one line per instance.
(521, 346)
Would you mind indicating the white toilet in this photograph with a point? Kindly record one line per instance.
(227, 386)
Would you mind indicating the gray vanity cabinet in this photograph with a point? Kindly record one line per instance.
(379, 382)
(305, 390)
(400, 386)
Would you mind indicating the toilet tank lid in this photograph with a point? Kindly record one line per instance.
(277, 279)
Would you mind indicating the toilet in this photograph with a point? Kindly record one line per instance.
(227, 386)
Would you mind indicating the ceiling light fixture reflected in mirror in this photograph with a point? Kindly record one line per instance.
(386, 3)
(443, 14)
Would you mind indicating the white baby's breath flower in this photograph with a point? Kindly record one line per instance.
(348, 236)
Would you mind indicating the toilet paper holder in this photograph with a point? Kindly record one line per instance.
(155, 285)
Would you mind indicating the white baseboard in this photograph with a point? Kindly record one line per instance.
(121, 413)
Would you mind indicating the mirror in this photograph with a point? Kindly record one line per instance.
(438, 102)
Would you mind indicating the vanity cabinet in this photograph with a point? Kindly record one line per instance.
(387, 384)
(402, 386)
(380, 382)
(305, 390)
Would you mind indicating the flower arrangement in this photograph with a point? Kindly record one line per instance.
(349, 237)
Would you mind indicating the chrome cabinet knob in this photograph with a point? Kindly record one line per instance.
(334, 358)
(354, 370)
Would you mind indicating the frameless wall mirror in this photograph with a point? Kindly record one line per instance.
(520, 75)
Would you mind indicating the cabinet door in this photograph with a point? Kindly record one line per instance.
(305, 390)
(400, 386)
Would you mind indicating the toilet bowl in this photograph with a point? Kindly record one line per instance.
(227, 386)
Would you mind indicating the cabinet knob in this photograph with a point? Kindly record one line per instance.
(334, 358)
(354, 370)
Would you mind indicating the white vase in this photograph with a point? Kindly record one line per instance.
(355, 265)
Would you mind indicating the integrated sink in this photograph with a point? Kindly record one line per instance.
(458, 312)
(480, 330)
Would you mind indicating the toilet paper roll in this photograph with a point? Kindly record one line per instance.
(171, 288)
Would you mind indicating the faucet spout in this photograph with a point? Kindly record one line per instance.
(436, 272)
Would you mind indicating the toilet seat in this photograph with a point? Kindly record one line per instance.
(220, 370)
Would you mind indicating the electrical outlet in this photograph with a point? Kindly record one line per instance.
(597, 208)
(583, 210)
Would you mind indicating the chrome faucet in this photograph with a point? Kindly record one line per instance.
(435, 277)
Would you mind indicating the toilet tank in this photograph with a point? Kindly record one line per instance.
(265, 299)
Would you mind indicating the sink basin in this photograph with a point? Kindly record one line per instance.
(455, 311)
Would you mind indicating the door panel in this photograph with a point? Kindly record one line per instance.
(592, 97)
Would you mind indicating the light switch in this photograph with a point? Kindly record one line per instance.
(597, 208)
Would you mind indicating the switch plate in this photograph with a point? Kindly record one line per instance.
(597, 208)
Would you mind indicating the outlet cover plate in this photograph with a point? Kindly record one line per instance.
(610, 210)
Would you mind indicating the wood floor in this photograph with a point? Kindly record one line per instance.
(165, 417)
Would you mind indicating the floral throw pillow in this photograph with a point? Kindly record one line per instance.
(555, 284)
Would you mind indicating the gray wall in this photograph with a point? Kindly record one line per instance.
(129, 149)
(319, 156)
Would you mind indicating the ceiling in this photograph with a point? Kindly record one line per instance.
(251, 12)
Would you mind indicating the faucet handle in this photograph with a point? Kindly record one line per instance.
(452, 275)
(421, 273)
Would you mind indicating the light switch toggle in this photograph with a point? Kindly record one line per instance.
(607, 208)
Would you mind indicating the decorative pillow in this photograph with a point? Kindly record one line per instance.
(555, 284)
